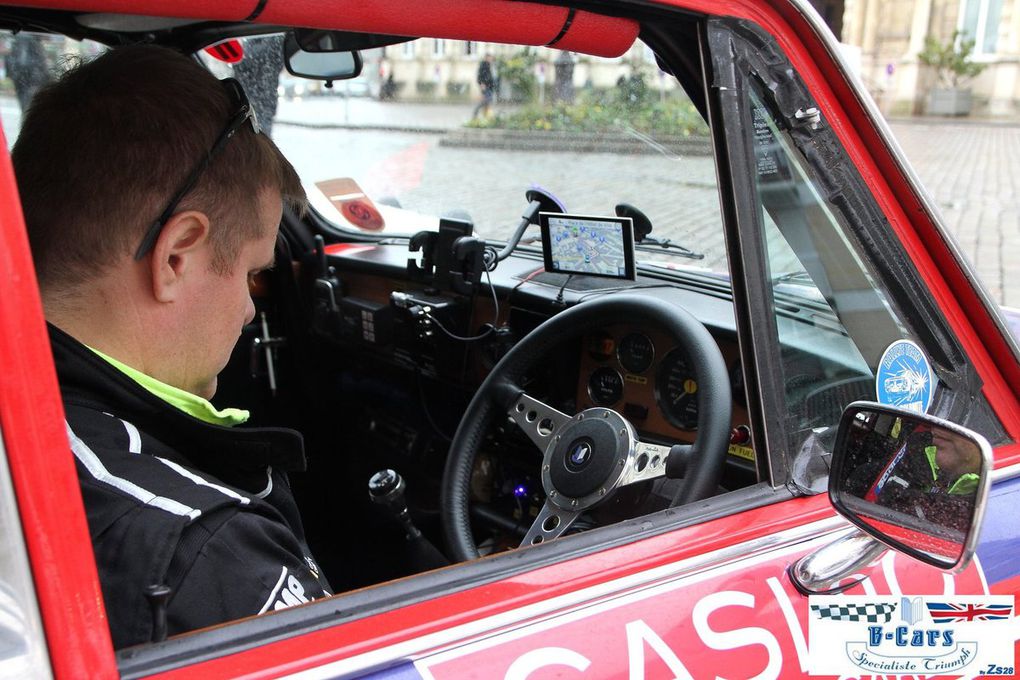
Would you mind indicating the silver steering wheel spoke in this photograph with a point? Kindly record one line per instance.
(646, 461)
(551, 522)
(539, 421)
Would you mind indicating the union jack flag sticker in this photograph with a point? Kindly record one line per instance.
(952, 612)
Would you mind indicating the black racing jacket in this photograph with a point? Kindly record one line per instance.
(171, 500)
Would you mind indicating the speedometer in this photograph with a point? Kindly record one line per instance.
(676, 390)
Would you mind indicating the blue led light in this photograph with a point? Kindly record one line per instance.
(520, 491)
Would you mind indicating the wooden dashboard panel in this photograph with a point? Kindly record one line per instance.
(640, 389)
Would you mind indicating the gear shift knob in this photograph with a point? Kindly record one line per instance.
(386, 488)
(385, 484)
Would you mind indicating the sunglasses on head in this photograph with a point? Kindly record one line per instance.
(243, 113)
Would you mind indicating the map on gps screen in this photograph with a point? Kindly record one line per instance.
(596, 246)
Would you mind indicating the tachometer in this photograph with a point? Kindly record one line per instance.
(636, 352)
(676, 390)
(605, 386)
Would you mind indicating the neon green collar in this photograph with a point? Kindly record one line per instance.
(191, 404)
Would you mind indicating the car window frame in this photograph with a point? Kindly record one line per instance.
(760, 58)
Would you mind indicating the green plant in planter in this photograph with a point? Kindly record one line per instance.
(951, 60)
(517, 77)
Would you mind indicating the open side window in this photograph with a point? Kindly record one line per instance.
(824, 283)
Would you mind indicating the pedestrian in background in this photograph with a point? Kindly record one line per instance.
(27, 67)
(487, 84)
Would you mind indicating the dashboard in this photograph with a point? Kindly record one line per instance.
(634, 369)
(393, 357)
(394, 354)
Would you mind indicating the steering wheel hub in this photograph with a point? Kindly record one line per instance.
(586, 458)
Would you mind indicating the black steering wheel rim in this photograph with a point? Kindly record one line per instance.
(500, 389)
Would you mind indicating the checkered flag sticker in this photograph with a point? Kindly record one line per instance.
(871, 613)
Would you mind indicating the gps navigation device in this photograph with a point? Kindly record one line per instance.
(588, 245)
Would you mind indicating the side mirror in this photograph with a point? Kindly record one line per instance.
(322, 63)
(915, 482)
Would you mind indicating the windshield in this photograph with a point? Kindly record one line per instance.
(443, 127)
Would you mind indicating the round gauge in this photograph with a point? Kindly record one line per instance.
(601, 345)
(676, 390)
(605, 386)
(636, 352)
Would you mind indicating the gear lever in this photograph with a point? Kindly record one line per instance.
(386, 489)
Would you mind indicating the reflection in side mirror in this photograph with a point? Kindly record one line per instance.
(915, 482)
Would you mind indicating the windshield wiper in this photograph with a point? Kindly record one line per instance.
(649, 244)
(799, 276)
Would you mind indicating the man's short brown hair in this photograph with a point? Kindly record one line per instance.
(102, 150)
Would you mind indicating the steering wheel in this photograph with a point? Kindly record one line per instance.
(589, 455)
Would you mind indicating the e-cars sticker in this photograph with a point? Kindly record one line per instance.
(924, 635)
(905, 378)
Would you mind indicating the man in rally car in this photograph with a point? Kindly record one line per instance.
(151, 199)
(931, 474)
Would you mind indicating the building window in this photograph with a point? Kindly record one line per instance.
(408, 50)
(979, 21)
(438, 47)
(470, 48)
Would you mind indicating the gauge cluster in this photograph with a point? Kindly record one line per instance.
(644, 375)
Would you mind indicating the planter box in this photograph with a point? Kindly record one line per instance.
(949, 102)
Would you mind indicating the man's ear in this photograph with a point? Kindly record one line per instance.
(179, 249)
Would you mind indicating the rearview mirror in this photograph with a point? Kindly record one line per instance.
(321, 64)
(915, 482)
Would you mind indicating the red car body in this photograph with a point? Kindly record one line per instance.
(714, 598)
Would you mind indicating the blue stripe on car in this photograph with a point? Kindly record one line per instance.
(1000, 534)
(405, 671)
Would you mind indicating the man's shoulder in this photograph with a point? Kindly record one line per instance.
(116, 476)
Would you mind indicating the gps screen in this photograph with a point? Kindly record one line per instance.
(595, 246)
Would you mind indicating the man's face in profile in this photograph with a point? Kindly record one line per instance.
(954, 455)
(218, 306)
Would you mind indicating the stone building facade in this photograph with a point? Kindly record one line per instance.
(884, 37)
(881, 40)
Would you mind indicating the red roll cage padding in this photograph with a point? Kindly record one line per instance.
(499, 21)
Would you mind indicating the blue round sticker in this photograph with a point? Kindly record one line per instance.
(905, 378)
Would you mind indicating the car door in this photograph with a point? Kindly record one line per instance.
(687, 597)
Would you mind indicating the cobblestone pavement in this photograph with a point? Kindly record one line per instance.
(970, 169)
